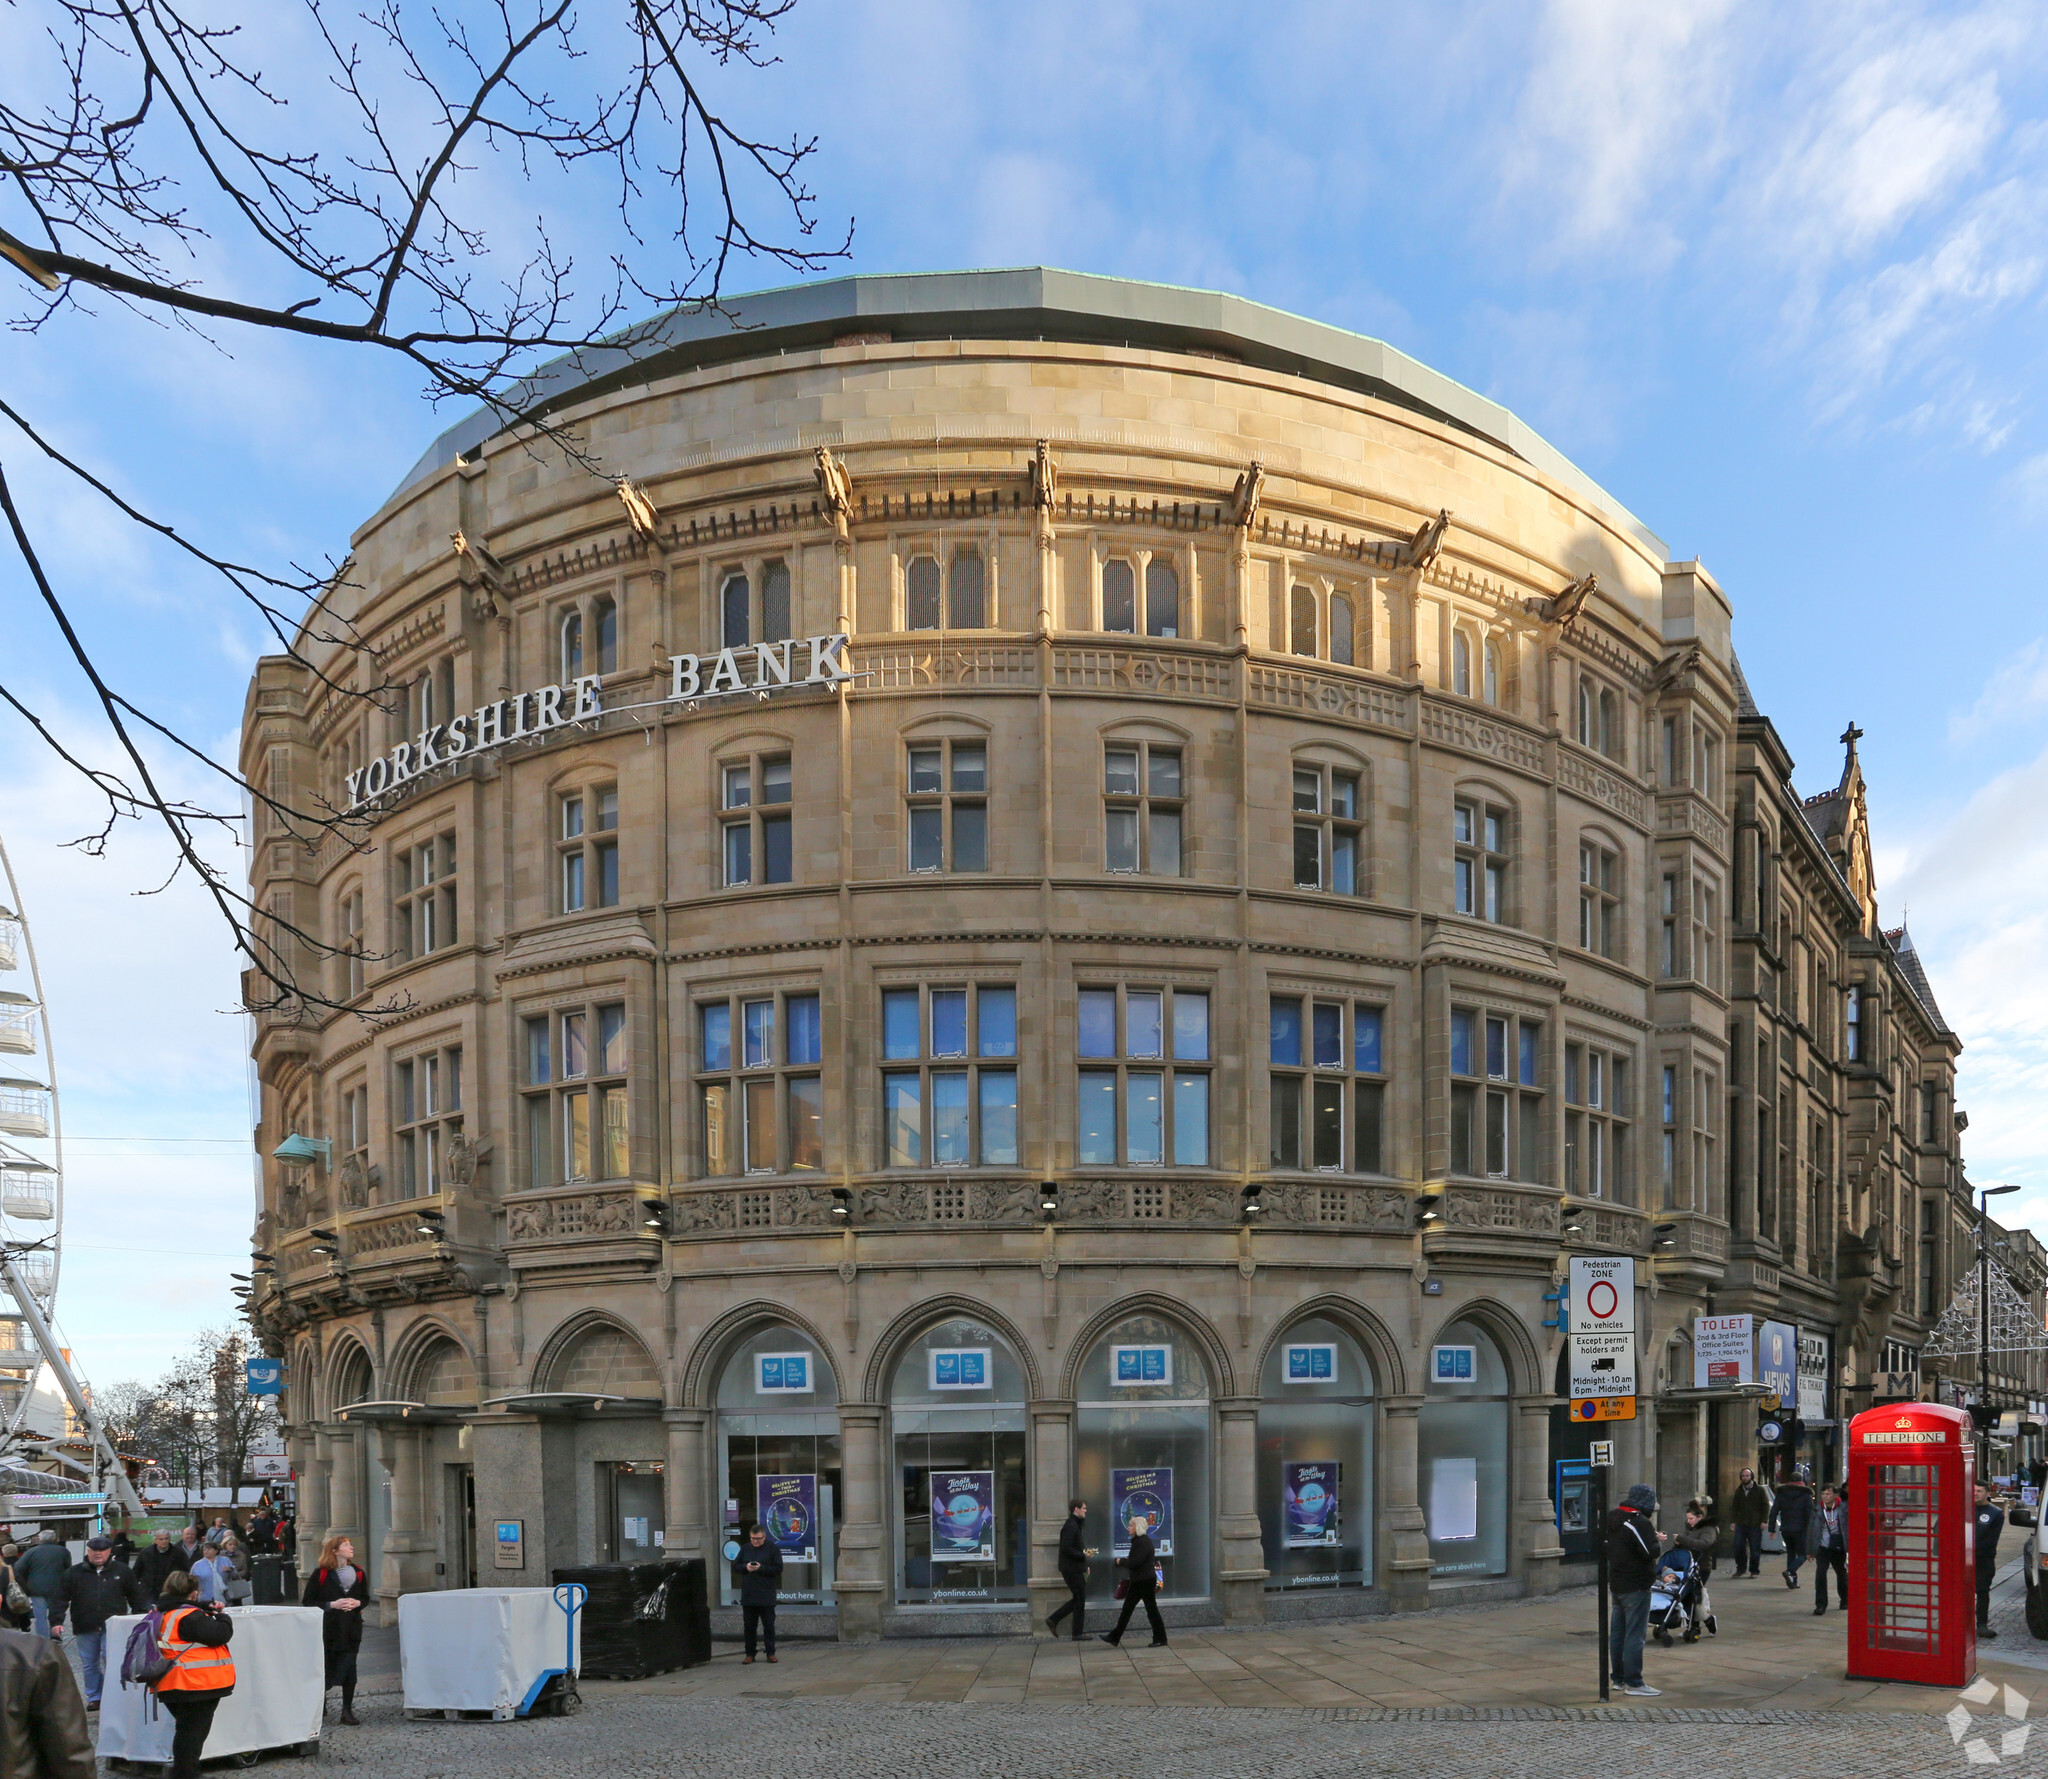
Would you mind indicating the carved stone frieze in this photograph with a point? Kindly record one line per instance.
(1506, 1212)
(387, 1233)
(1484, 737)
(571, 1216)
(1599, 785)
(1206, 677)
(1329, 697)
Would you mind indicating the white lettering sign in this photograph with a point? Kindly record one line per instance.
(1723, 1352)
(759, 669)
(1602, 1319)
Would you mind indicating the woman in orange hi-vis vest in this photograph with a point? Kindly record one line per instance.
(195, 1636)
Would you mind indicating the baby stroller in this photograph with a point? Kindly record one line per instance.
(1679, 1602)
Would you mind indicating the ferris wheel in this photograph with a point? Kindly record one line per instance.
(31, 1160)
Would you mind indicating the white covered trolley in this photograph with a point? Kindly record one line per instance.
(501, 1652)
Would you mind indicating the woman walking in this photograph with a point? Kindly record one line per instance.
(341, 1590)
(195, 1636)
(1143, 1584)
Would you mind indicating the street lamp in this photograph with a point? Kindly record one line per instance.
(1984, 1198)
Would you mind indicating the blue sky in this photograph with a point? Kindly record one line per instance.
(1773, 274)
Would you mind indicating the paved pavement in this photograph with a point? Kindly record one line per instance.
(1494, 1693)
(628, 1734)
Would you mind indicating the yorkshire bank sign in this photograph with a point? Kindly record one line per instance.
(525, 715)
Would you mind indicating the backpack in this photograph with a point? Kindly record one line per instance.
(143, 1662)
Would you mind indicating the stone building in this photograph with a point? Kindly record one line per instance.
(1070, 887)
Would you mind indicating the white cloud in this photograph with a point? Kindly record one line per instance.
(2016, 691)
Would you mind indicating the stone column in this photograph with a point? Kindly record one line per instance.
(1404, 1541)
(1241, 1581)
(344, 1490)
(1052, 1486)
(863, 1580)
(689, 1532)
(406, 1563)
(1534, 1538)
(304, 1447)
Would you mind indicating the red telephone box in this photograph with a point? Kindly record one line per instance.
(1912, 1549)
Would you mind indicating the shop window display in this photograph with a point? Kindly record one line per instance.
(1315, 1459)
(778, 1458)
(1462, 1448)
(962, 1529)
(1142, 1442)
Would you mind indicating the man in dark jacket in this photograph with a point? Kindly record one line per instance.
(158, 1564)
(1074, 1555)
(263, 1533)
(1749, 1509)
(1792, 1519)
(41, 1572)
(42, 1718)
(1827, 1541)
(1633, 1546)
(1990, 1522)
(1141, 1565)
(100, 1588)
(757, 1573)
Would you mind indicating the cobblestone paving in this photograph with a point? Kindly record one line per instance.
(621, 1736)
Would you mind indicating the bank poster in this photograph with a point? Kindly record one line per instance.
(1147, 1492)
(789, 1510)
(963, 1516)
(1309, 1503)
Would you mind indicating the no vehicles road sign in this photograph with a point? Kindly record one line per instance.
(1603, 1293)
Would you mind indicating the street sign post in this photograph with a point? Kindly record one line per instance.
(266, 1377)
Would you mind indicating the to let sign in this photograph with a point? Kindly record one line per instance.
(1723, 1352)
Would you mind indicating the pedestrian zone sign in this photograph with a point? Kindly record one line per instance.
(1603, 1332)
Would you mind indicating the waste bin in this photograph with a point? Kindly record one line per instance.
(273, 1581)
(643, 1618)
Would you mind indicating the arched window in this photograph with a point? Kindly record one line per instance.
(1492, 685)
(1162, 598)
(965, 594)
(963, 1532)
(1585, 725)
(1342, 650)
(921, 593)
(778, 1456)
(604, 616)
(572, 644)
(1462, 1453)
(1141, 1445)
(1461, 664)
(444, 1377)
(1315, 1476)
(1302, 622)
(1119, 596)
(775, 624)
(736, 600)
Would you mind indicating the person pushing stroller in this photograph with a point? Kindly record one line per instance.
(1679, 1601)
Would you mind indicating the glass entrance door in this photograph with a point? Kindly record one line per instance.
(638, 1518)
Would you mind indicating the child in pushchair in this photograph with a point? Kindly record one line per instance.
(1679, 1602)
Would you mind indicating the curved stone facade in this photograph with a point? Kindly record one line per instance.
(1208, 896)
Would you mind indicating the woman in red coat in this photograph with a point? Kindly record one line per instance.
(341, 1590)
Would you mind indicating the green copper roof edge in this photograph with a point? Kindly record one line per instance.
(1026, 302)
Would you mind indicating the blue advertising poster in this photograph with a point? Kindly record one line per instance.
(1451, 1365)
(1313, 1363)
(1777, 1362)
(789, 1510)
(1146, 1492)
(1309, 1503)
(1130, 1367)
(782, 1374)
(959, 1368)
(266, 1377)
(963, 1516)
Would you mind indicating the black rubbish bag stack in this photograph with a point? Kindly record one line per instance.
(643, 1618)
(273, 1581)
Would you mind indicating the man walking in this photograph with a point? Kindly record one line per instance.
(1792, 1519)
(100, 1588)
(1990, 1522)
(1747, 1512)
(1633, 1546)
(1074, 1557)
(41, 1573)
(157, 1564)
(43, 1732)
(1829, 1543)
(757, 1573)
